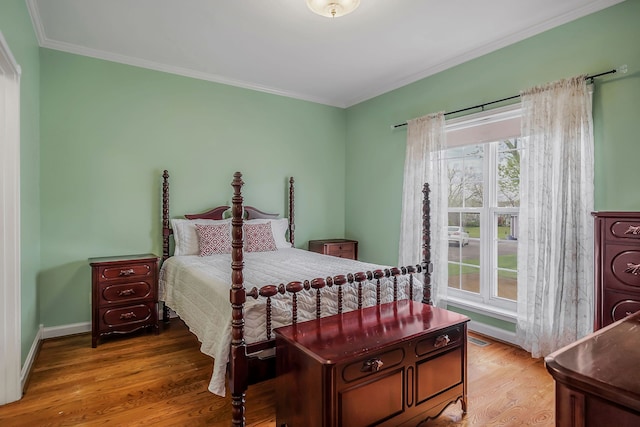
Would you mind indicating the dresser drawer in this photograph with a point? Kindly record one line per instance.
(447, 338)
(373, 364)
(624, 308)
(618, 305)
(119, 293)
(125, 271)
(127, 315)
(624, 268)
(622, 229)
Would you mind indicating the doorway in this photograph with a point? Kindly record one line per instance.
(10, 357)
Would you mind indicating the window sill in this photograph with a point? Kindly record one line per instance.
(486, 310)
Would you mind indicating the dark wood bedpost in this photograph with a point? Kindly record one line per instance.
(238, 367)
(292, 225)
(165, 215)
(426, 245)
(166, 231)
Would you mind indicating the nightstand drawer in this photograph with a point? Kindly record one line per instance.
(342, 248)
(127, 271)
(133, 314)
(119, 293)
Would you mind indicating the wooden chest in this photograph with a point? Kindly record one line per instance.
(392, 365)
(617, 266)
(124, 294)
(342, 248)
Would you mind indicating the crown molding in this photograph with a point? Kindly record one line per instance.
(476, 52)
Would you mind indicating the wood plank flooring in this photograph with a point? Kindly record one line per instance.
(147, 379)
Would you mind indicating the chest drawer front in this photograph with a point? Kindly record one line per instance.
(625, 268)
(373, 364)
(622, 229)
(438, 374)
(444, 339)
(133, 314)
(372, 402)
(125, 271)
(112, 293)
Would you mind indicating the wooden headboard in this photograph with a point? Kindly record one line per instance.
(218, 213)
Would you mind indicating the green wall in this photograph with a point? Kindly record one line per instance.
(592, 44)
(109, 130)
(15, 25)
(95, 137)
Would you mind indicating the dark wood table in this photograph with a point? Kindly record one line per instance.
(598, 377)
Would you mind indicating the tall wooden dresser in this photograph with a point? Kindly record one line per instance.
(124, 294)
(617, 266)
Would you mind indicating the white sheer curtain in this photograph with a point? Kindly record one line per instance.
(555, 248)
(423, 164)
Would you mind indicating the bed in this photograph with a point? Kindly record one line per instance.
(235, 275)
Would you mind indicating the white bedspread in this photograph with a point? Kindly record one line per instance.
(197, 289)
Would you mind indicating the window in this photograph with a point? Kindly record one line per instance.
(484, 201)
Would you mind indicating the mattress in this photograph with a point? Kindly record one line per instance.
(197, 289)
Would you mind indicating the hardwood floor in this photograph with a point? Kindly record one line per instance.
(162, 380)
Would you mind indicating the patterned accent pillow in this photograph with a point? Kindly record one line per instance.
(259, 238)
(214, 239)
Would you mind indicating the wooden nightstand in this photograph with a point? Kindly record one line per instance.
(124, 294)
(342, 248)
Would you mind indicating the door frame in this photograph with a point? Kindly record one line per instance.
(10, 313)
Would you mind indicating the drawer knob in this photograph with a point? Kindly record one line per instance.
(372, 365)
(632, 268)
(633, 229)
(126, 292)
(128, 272)
(441, 341)
(126, 316)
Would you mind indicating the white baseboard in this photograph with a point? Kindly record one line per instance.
(493, 332)
(62, 330)
(31, 358)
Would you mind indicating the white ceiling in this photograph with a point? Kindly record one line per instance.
(281, 47)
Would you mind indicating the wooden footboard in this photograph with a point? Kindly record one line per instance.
(238, 369)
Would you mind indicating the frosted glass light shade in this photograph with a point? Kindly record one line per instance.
(333, 8)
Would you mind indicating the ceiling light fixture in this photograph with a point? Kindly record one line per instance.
(333, 8)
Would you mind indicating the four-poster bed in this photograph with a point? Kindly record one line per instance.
(277, 297)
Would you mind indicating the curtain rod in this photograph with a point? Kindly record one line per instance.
(622, 69)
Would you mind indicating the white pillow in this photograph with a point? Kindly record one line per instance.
(185, 236)
(279, 228)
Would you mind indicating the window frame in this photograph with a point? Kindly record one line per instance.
(487, 128)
